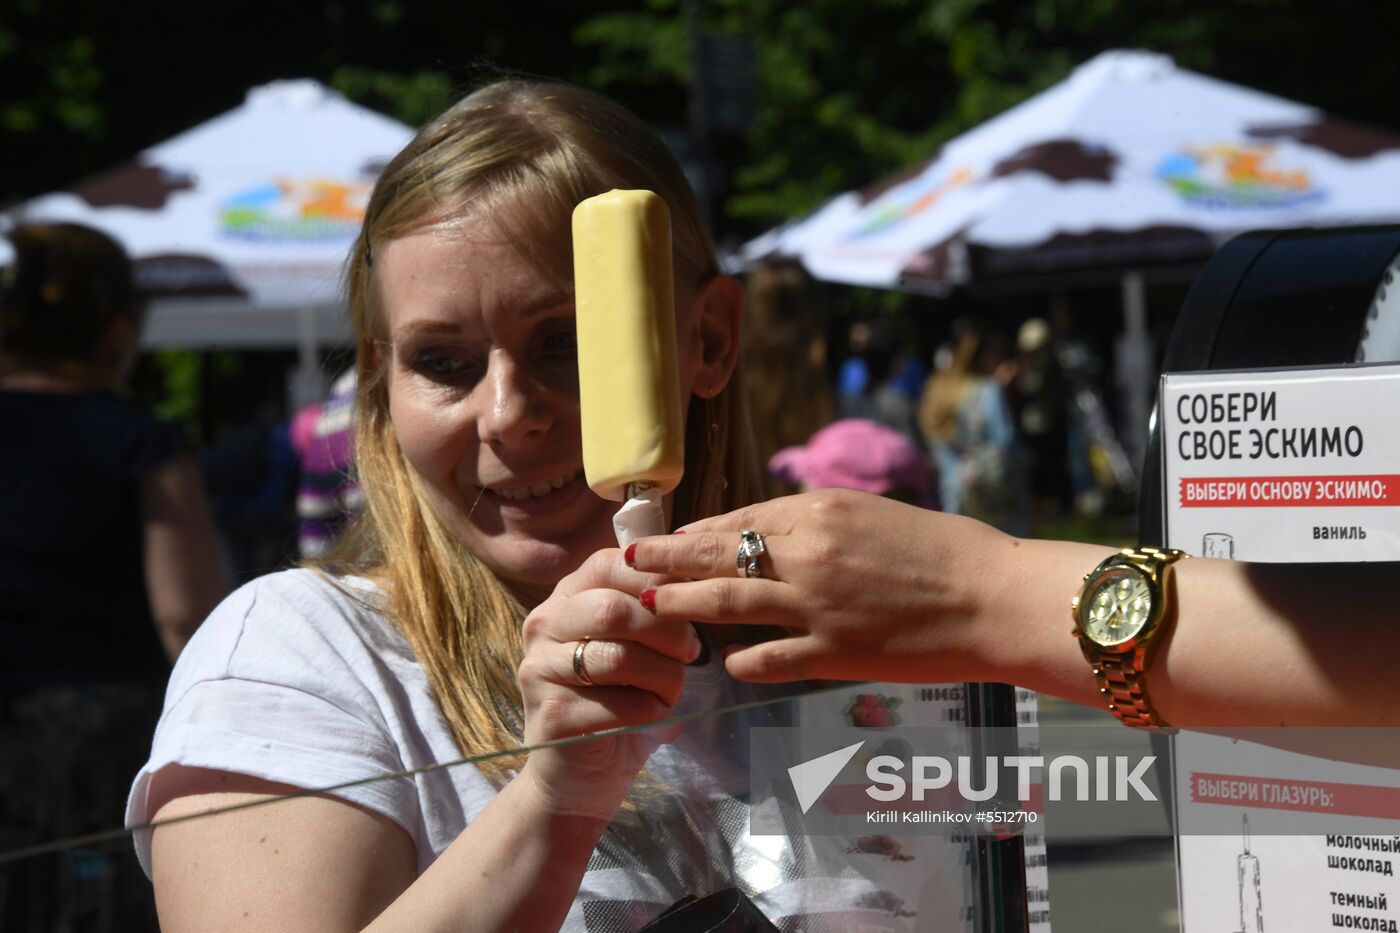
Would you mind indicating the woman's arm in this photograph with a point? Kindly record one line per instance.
(516, 866)
(183, 579)
(320, 863)
(876, 590)
(309, 863)
(1253, 644)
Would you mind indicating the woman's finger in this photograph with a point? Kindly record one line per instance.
(731, 601)
(570, 713)
(604, 663)
(607, 570)
(614, 616)
(772, 662)
(711, 555)
(775, 517)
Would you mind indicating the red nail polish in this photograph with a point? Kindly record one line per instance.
(678, 531)
(630, 555)
(649, 599)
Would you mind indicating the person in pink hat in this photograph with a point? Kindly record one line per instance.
(857, 454)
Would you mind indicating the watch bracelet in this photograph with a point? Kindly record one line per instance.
(1123, 688)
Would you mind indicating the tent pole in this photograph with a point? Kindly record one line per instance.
(1134, 370)
(307, 384)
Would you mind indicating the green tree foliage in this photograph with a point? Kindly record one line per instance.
(87, 84)
(64, 104)
(848, 92)
(845, 91)
(411, 98)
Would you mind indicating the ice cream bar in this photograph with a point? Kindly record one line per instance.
(629, 387)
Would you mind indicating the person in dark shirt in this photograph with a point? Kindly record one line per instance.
(107, 558)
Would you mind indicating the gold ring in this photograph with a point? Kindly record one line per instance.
(580, 669)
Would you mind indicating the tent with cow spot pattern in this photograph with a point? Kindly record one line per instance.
(239, 228)
(1130, 167)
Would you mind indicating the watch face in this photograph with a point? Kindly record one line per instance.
(1116, 607)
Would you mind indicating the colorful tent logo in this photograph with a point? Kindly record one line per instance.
(301, 210)
(911, 200)
(1230, 175)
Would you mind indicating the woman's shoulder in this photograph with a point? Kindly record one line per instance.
(99, 413)
(132, 438)
(114, 411)
(291, 627)
(314, 594)
(298, 678)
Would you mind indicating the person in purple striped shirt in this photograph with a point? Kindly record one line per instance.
(328, 493)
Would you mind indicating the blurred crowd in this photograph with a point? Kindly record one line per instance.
(1003, 425)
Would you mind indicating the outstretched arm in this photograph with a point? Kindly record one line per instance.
(875, 590)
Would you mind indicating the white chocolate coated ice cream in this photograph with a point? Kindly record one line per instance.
(629, 387)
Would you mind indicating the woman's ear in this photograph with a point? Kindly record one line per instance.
(719, 315)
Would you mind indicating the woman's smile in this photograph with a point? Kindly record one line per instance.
(530, 490)
(519, 500)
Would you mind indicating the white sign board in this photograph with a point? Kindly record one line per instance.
(1297, 465)
(1281, 466)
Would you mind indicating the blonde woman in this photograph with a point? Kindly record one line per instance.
(452, 621)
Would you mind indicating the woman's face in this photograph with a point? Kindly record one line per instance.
(483, 395)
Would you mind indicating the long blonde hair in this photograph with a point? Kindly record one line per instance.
(524, 153)
(784, 344)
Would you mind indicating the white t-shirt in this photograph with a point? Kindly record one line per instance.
(297, 678)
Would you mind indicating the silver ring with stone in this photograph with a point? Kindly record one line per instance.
(751, 547)
(581, 669)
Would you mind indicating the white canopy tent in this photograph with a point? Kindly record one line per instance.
(239, 228)
(1129, 165)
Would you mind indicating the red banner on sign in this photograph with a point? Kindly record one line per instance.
(1238, 790)
(1237, 492)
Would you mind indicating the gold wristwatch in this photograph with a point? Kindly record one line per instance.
(1121, 613)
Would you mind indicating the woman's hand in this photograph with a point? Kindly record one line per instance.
(870, 589)
(636, 665)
